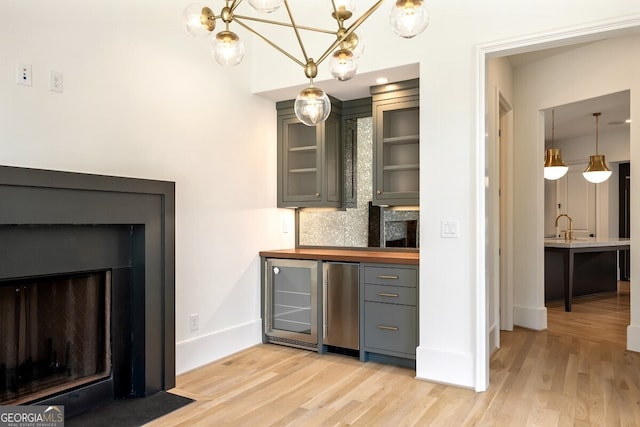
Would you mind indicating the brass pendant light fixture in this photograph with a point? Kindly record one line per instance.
(554, 167)
(597, 170)
(312, 106)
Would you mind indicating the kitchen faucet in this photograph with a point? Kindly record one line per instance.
(569, 235)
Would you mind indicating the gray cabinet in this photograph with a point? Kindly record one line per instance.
(389, 319)
(310, 159)
(396, 134)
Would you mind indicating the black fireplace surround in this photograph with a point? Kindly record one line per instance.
(61, 222)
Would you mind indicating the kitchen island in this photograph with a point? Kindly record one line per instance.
(581, 267)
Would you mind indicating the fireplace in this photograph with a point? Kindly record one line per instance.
(106, 243)
(56, 334)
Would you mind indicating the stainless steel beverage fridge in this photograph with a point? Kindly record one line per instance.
(291, 302)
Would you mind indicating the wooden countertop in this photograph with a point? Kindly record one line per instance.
(352, 255)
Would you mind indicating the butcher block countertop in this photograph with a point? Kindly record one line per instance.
(351, 255)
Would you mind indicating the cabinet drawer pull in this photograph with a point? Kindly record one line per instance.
(388, 328)
(384, 294)
(382, 276)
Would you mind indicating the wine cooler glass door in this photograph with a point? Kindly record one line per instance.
(291, 303)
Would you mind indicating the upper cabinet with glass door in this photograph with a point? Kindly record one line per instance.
(309, 159)
(396, 134)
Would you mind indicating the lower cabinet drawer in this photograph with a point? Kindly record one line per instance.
(390, 294)
(390, 328)
(395, 276)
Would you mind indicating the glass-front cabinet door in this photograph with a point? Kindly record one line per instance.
(396, 127)
(310, 160)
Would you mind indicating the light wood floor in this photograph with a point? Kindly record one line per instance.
(576, 373)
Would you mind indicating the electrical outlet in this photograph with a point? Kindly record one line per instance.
(194, 322)
(23, 74)
(55, 81)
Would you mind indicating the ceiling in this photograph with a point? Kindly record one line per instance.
(576, 119)
(571, 120)
(355, 88)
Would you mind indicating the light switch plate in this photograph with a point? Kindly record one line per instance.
(450, 228)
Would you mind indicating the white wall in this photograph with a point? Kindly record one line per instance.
(143, 99)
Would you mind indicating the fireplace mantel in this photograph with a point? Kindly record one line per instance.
(30, 197)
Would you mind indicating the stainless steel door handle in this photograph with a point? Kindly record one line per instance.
(388, 277)
(388, 328)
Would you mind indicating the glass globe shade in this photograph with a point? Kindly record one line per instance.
(228, 50)
(312, 106)
(194, 18)
(344, 5)
(409, 18)
(354, 43)
(266, 6)
(343, 65)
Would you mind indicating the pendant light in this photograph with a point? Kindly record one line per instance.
(597, 170)
(554, 167)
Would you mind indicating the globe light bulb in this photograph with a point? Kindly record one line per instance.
(312, 106)
(344, 5)
(198, 20)
(343, 65)
(354, 43)
(228, 50)
(266, 6)
(409, 18)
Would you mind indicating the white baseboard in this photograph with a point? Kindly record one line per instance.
(445, 367)
(633, 338)
(494, 338)
(530, 317)
(199, 351)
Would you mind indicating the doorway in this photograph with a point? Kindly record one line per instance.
(527, 282)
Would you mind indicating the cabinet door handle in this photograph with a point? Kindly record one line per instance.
(388, 277)
(317, 194)
(388, 328)
(379, 192)
(384, 294)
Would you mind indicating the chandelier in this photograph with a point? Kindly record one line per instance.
(408, 18)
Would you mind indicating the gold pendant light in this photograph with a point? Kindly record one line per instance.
(408, 18)
(554, 167)
(597, 170)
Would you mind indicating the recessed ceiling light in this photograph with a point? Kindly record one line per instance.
(382, 80)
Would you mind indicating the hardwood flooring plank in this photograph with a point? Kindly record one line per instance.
(576, 373)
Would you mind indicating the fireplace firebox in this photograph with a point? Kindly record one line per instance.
(55, 333)
(87, 288)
